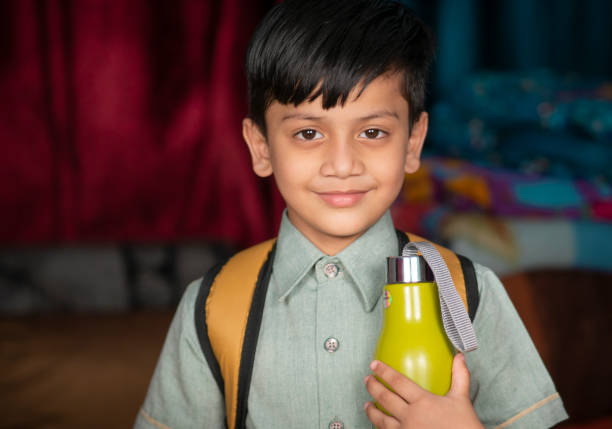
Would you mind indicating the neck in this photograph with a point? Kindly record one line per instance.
(326, 243)
(333, 246)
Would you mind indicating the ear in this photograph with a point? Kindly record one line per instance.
(258, 147)
(415, 144)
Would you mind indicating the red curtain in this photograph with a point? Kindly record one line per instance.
(121, 121)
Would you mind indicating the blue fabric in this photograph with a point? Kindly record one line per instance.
(549, 193)
(593, 245)
(536, 123)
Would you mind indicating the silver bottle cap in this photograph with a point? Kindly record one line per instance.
(408, 269)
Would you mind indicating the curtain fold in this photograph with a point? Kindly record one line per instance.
(122, 121)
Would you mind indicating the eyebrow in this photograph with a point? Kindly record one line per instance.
(379, 114)
(373, 115)
(300, 116)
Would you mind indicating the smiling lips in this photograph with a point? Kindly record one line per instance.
(342, 199)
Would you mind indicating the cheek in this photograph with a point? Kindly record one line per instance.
(390, 180)
(394, 181)
(294, 165)
(388, 169)
(290, 173)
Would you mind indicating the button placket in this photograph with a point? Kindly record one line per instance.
(329, 272)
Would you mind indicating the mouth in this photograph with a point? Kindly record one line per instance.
(342, 199)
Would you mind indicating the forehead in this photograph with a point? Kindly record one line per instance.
(385, 93)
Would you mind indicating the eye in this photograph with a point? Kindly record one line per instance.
(373, 133)
(308, 134)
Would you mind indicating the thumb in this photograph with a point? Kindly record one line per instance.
(460, 383)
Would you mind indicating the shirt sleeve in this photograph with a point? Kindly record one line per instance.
(183, 392)
(510, 386)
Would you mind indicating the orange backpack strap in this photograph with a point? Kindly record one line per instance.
(228, 315)
(461, 270)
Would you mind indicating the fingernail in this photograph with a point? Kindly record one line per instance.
(365, 405)
(365, 380)
(373, 365)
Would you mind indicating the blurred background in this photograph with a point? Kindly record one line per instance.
(123, 177)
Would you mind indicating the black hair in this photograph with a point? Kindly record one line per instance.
(304, 49)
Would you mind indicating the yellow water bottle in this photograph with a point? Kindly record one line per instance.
(413, 340)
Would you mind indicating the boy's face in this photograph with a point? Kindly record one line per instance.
(339, 169)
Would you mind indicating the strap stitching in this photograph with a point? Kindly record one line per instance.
(152, 420)
(528, 410)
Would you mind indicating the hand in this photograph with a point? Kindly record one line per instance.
(411, 406)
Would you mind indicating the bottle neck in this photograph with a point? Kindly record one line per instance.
(408, 269)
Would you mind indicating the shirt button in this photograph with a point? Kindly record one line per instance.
(331, 344)
(336, 424)
(331, 270)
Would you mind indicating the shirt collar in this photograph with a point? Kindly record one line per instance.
(364, 260)
(295, 256)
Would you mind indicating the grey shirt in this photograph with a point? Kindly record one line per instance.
(320, 324)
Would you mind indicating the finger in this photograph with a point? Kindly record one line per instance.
(460, 383)
(378, 418)
(388, 399)
(402, 385)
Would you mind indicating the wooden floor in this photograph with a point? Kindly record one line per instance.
(92, 371)
(77, 371)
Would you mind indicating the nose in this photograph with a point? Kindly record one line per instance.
(342, 159)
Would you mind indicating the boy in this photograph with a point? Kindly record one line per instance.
(337, 116)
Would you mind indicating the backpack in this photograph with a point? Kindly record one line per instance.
(229, 308)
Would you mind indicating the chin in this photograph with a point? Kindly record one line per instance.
(345, 226)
